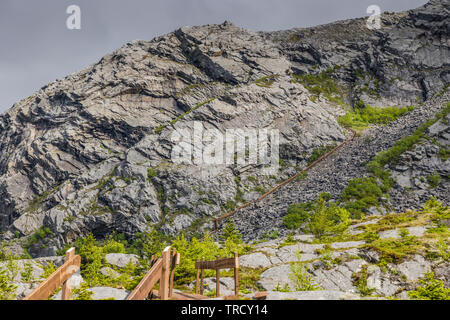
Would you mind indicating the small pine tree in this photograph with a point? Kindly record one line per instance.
(230, 233)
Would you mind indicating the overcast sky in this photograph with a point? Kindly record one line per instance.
(36, 47)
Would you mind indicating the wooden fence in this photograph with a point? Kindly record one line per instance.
(162, 270)
(61, 277)
(217, 221)
(224, 263)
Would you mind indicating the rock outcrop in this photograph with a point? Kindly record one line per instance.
(93, 152)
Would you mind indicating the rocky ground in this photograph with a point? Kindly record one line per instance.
(333, 174)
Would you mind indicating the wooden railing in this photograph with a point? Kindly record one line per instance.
(162, 270)
(217, 221)
(61, 277)
(224, 263)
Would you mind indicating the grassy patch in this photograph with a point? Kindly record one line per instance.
(393, 154)
(266, 81)
(361, 116)
(321, 84)
(34, 204)
(396, 250)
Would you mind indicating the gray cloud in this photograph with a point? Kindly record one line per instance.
(37, 48)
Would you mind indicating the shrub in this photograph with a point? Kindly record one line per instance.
(360, 194)
(327, 220)
(192, 251)
(430, 289)
(151, 173)
(7, 274)
(297, 214)
(396, 250)
(230, 233)
(434, 180)
(322, 83)
(301, 278)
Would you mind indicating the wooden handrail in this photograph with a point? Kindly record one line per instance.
(219, 263)
(61, 277)
(219, 219)
(162, 270)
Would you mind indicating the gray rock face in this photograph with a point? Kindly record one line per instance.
(102, 293)
(340, 277)
(276, 276)
(121, 260)
(254, 260)
(311, 295)
(395, 233)
(415, 268)
(442, 273)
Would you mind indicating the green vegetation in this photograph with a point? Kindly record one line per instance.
(230, 233)
(360, 194)
(327, 219)
(434, 180)
(321, 84)
(34, 204)
(151, 173)
(7, 275)
(393, 154)
(266, 81)
(444, 153)
(301, 278)
(92, 253)
(361, 115)
(396, 250)
(48, 270)
(430, 289)
(173, 121)
(196, 249)
(27, 272)
(321, 217)
(360, 281)
(297, 214)
(40, 234)
(320, 151)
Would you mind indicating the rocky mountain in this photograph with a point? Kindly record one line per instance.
(93, 152)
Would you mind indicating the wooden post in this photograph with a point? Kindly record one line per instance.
(65, 292)
(236, 274)
(174, 261)
(197, 279)
(165, 275)
(217, 280)
(201, 279)
(215, 224)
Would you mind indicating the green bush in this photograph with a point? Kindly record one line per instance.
(430, 289)
(230, 232)
(151, 173)
(195, 249)
(360, 194)
(327, 219)
(301, 278)
(297, 214)
(7, 274)
(434, 180)
(362, 115)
